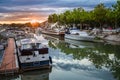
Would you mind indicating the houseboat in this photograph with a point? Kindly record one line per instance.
(33, 54)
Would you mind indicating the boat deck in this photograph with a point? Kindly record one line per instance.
(9, 63)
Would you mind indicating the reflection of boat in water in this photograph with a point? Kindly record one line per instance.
(79, 35)
(80, 44)
(33, 54)
(36, 75)
(112, 42)
(10, 77)
(29, 75)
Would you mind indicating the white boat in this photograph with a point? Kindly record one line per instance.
(33, 54)
(79, 35)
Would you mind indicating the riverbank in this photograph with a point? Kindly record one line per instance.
(113, 37)
(109, 36)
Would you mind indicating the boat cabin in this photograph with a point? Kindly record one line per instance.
(33, 49)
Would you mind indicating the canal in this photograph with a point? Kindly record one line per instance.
(77, 60)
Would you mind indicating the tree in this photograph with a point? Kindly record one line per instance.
(110, 17)
(116, 10)
(97, 17)
(100, 14)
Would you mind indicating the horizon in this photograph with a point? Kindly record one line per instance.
(19, 11)
(21, 22)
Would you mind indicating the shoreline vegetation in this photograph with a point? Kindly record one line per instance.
(99, 17)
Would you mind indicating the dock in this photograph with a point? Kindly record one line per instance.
(9, 63)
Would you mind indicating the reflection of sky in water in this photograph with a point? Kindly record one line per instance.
(67, 68)
(79, 75)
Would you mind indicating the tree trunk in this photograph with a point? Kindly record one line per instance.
(100, 26)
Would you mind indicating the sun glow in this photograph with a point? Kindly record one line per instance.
(34, 21)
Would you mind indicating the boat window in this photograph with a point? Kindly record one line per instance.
(38, 45)
(33, 45)
(26, 46)
(43, 51)
(26, 52)
(28, 58)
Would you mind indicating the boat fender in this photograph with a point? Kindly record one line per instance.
(50, 59)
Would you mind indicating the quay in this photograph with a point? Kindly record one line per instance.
(9, 63)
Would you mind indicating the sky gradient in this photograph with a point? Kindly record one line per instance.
(21, 11)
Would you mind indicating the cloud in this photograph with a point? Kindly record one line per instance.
(25, 9)
(22, 16)
(55, 3)
(44, 7)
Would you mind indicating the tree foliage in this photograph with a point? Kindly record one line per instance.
(98, 17)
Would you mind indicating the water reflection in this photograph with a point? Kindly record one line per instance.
(36, 75)
(87, 56)
(10, 77)
(31, 75)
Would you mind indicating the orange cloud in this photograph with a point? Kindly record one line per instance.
(21, 17)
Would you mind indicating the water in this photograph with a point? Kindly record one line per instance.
(75, 60)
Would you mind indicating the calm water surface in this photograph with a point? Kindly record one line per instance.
(76, 60)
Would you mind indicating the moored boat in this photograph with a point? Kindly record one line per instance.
(33, 55)
(56, 32)
(79, 35)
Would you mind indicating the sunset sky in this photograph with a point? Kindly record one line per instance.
(21, 11)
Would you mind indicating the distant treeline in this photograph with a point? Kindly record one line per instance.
(98, 17)
(32, 25)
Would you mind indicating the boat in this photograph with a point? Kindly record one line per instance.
(33, 55)
(76, 34)
(55, 32)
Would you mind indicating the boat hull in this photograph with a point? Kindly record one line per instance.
(34, 65)
(78, 37)
(60, 34)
